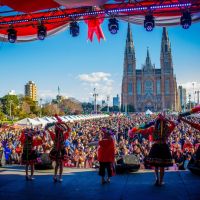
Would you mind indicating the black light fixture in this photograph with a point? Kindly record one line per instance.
(149, 23)
(12, 35)
(74, 29)
(113, 26)
(42, 32)
(186, 20)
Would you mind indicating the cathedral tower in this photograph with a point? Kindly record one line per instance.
(129, 74)
(168, 80)
(149, 87)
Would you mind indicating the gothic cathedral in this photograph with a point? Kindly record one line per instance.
(150, 87)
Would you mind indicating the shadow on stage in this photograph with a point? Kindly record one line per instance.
(85, 185)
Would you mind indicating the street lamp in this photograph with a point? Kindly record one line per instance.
(197, 93)
(95, 100)
(40, 107)
(108, 103)
(193, 92)
(11, 108)
(189, 101)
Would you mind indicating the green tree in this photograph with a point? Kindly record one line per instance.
(50, 109)
(2, 115)
(87, 108)
(70, 106)
(29, 106)
(10, 105)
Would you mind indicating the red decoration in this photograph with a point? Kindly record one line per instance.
(30, 5)
(94, 26)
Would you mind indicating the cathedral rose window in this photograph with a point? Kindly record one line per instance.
(148, 87)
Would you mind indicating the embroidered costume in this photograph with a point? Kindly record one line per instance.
(29, 140)
(159, 155)
(58, 152)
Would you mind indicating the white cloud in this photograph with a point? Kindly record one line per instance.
(94, 77)
(99, 80)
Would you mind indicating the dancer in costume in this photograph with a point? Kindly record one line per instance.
(159, 155)
(58, 152)
(106, 155)
(29, 141)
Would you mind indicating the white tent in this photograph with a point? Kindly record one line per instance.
(28, 122)
(42, 121)
(148, 112)
(49, 119)
(197, 115)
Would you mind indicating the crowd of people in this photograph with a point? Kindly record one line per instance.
(183, 141)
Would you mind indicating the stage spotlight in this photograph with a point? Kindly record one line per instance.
(149, 22)
(113, 25)
(42, 32)
(186, 20)
(74, 29)
(12, 35)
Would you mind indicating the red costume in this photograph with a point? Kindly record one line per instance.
(106, 150)
(29, 141)
(159, 155)
(106, 153)
(58, 153)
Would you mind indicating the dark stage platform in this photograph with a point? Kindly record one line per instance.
(85, 185)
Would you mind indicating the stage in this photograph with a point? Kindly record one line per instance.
(85, 185)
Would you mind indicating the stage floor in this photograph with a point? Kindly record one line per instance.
(79, 184)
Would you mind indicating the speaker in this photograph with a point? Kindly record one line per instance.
(44, 162)
(127, 163)
(131, 160)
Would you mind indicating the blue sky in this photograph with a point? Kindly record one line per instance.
(77, 66)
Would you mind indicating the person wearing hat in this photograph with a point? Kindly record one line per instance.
(106, 155)
(29, 140)
(58, 152)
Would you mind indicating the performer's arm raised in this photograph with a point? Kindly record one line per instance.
(192, 124)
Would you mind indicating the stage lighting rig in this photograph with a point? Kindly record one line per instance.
(74, 29)
(12, 35)
(42, 32)
(186, 20)
(113, 26)
(149, 22)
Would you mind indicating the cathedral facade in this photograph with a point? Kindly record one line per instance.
(150, 87)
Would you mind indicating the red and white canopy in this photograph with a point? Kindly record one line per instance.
(57, 14)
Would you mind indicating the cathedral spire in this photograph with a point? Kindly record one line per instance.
(165, 34)
(165, 45)
(147, 64)
(129, 41)
(148, 59)
(129, 55)
(165, 54)
(129, 37)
